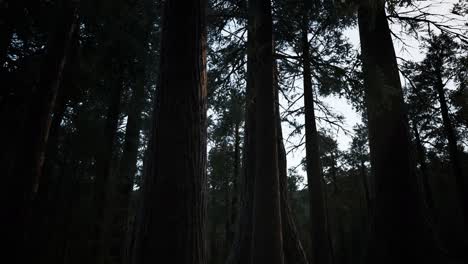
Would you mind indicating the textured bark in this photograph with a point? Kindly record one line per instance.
(173, 227)
(267, 243)
(320, 251)
(399, 225)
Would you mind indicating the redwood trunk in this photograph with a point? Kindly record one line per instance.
(174, 225)
(267, 242)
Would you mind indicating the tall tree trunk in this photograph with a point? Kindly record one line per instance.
(232, 201)
(41, 111)
(267, 242)
(320, 251)
(399, 224)
(122, 185)
(174, 225)
(46, 224)
(235, 190)
(105, 174)
(365, 185)
(424, 173)
(293, 250)
(450, 132)
(240, 252)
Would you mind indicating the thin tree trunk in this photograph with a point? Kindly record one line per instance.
(424, 173)
(105, 174)
(235, 190)
(365, 186)
(119, 202)
(240, 252)
(452, 144)
(293, 250)
(46, 207)
(399, 225)
(320, 251)
(173, 228)
(41, 117)
(267, 241)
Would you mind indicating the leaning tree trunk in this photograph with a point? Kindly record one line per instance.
(452, 143)
(399, 224)
(22, 166)
(320, 251)
(267, 243)
(174, 225)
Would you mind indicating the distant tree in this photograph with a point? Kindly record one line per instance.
(320, 252)
(430, 78)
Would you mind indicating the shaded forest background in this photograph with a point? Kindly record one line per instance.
(146, 131)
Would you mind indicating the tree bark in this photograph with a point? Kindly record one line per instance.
(267, 242)
(399, 225)
(320, 251)
(174, 225)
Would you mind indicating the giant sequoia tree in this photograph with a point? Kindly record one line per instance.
(174, 211)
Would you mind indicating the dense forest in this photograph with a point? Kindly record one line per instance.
(206, 131)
